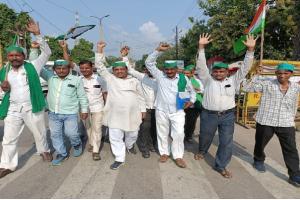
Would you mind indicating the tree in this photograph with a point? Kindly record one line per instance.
(189, 42)
(229, 18)
(56, 50)
(82, 51)
(10, 21)
(111, 59)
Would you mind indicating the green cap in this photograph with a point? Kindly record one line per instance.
(286, 66)
(60, 37)
(220, 65)
(170, 64)
(189, 68)
(119, 64)
(15, 48)
(61, 63)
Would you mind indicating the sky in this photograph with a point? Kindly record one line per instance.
(140, 24)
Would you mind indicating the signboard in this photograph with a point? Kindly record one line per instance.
(253, 99)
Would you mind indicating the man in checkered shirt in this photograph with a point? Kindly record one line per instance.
(276, 114)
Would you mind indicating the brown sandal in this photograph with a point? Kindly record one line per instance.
(225, 173)
(198, 156)
(163, 158)
(96, 156)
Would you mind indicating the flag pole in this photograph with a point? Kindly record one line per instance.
(262, 46)
(1, 58)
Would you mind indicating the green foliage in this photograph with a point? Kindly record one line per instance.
(229, 19)
(140, 63)
(82, 51)
(56, 50)
(189, 43)
(111, 59)
(10, 21)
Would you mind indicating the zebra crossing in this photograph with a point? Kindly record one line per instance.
(147, 178)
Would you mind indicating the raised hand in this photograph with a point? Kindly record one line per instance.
(250, 42)
(204, 40)
(124, 51)
(35, 45)
(33, 27)
(100, 46)
(163, 46)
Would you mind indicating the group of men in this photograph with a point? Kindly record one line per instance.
(121, 98)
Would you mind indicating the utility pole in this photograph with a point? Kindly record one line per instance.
(76, 24)
(176, 41)
(100, 26)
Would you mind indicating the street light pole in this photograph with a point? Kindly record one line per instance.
(100, 26)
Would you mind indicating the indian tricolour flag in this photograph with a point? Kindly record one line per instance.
(257, 24)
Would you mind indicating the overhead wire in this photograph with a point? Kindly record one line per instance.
(44, 18)
(19, 5)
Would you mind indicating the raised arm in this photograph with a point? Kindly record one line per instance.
(256, 84)
(34, 51)
(151, 60)
(64, 46)
(201, 67)
(248, 61)
(41, 61)
(124, 53)
(100, 60)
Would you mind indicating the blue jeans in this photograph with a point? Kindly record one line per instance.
(209, 123)
(70, 124)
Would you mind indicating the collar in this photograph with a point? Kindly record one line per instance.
(94, 76)
(176, 77)
(69, 76)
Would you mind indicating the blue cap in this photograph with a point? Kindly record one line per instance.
(286, 66)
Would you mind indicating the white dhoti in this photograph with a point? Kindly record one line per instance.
(93, 127)
(118, 146)
(175, 122)
(13, 126)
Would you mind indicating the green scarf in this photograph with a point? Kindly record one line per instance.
(181, 83)
(199, 97)
(36, 94)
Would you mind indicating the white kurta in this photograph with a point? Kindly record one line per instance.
(125, 100)
(20, 114)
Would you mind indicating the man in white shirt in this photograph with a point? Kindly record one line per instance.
(23, 103)
(124, 108)
(147, 139)
(94, 87)
(174, 94)
(218, 104)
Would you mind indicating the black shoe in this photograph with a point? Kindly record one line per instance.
(189, 140)
(295, 180)
(152, 149)
(116, 165)
(146, 154)
(132, 150)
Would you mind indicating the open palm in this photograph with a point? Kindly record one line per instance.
(204, 39)
(250, 42)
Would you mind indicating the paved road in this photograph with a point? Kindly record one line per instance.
(146, 178)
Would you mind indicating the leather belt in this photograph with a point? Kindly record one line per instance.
(219, 112)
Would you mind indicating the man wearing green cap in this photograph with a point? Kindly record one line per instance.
(174, 94)
(124, 108)
(147, 139)
(66, 97)
(218, 104)
(23, 103)
(192, 113)
(276, 114)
